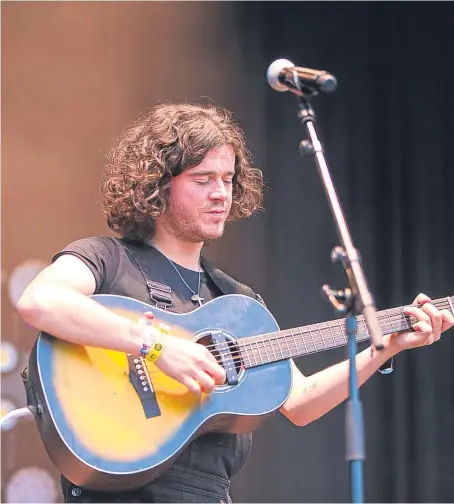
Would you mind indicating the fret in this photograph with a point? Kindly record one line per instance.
(390, 320)
(331, 333)
(365, 331)
(261, 347)
(279, 344)
(342, 328)
(278, 341)
(258, 353)
(272, 348)
(313, 339)
(326, 334)
(318, 336)
(252, 352)
(307, 338)
(286, 342)
(304, 339)
(243, 353)
(258, 350)
(296, 344)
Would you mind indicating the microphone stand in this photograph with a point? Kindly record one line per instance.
(349, 301)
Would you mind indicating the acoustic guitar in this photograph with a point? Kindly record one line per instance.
(111, 422)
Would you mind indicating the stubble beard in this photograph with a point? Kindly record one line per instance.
(188, 230)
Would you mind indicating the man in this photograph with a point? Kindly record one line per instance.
(175, 177)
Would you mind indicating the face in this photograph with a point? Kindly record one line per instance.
(200, 198)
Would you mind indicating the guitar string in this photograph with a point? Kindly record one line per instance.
(389, 318)
(266, 344)
(335, 330)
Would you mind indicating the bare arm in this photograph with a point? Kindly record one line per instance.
(57, 302)
(315, 395)
(311, 397)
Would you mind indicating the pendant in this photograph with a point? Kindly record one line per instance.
(197, 299)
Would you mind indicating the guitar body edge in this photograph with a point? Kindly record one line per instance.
(236, 409)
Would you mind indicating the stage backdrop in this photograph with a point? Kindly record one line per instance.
(74, 74)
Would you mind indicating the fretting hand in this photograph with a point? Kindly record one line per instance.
(431, 322)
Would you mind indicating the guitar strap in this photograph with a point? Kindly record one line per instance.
(227, 284)
(161, 294)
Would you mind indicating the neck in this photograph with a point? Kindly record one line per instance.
(186, 254)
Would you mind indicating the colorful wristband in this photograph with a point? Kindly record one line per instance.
(155, 351)
(155, 347)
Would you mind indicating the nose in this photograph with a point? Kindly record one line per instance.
(219, 193)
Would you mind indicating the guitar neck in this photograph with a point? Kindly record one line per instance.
(300, 341)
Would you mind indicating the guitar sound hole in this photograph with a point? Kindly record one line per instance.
(232, 347)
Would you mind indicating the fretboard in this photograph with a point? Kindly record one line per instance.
(299, 341)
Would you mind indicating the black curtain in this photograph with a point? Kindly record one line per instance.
(388, 132)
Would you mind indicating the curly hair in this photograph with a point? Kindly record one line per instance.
(157, 147)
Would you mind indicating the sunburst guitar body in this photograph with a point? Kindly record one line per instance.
(112, 422)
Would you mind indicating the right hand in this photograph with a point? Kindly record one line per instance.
(191, 364)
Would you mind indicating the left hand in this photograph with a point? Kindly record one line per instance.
(431, 322)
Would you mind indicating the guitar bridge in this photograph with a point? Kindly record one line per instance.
(140, 380)
(223, 349)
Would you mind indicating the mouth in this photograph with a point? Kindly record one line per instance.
(217, 214)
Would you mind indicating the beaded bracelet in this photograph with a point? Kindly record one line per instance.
(385, 371)
(149, 336)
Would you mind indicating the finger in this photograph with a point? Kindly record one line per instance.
(212, 367)
(447, 320)
(217, 373)
(204, 356)
(191, 384)
(421, 299)
(423, 327)
(418, 313)
(205, 381)
(435, 319)
(209, 356)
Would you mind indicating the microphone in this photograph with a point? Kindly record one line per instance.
(283, 75)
